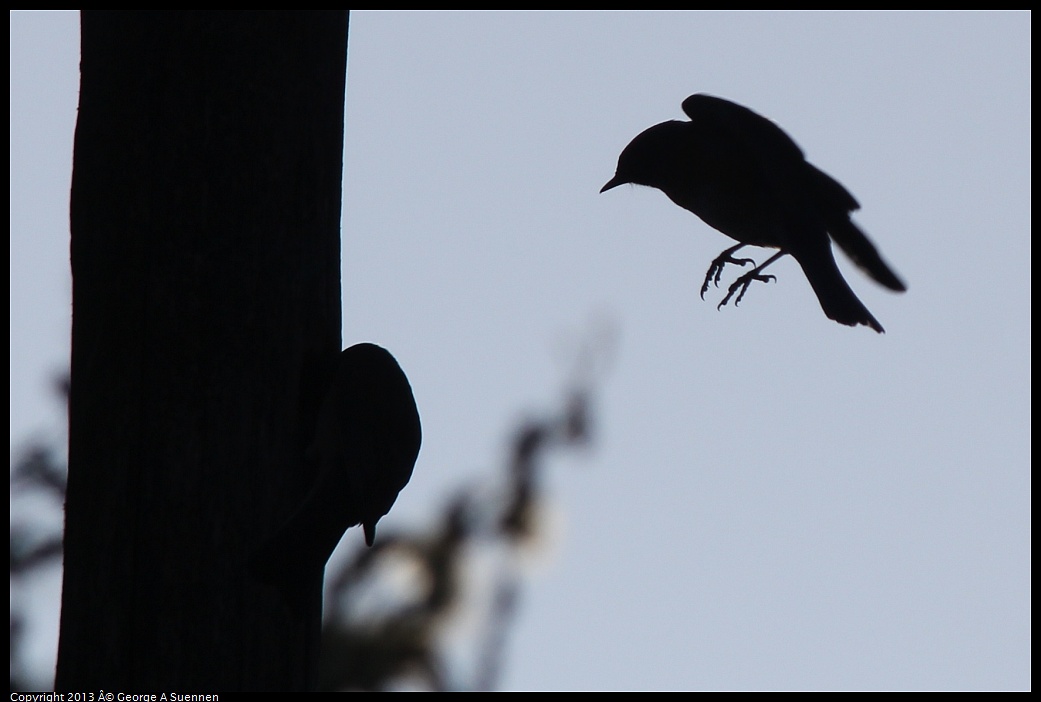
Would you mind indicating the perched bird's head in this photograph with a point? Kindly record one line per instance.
(654, 157)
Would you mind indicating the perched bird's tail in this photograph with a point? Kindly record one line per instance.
(837, 299)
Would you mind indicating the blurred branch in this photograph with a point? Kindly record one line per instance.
(372, 645)
(37, 471)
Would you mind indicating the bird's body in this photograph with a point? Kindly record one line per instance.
(366, 441)
(367, 437)
(742, 175)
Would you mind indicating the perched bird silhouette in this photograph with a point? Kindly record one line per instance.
(366, 442)
(744, 176)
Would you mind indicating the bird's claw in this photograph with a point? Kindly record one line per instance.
(716, 269)
(740, 285)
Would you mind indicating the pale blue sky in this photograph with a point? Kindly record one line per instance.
(774, 501)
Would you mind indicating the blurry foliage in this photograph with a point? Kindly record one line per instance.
(390, 612)
(463, 570)
(38, 475)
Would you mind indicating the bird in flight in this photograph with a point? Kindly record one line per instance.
(744, 176)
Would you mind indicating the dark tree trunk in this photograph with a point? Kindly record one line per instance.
(206, 298)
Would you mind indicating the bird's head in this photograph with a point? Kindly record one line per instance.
(653, 157)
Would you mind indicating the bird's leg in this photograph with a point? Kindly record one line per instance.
(716, 269)
(740, 285)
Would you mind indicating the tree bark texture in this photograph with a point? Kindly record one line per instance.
(205, 253)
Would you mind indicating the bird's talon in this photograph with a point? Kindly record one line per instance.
(741, 285)
(715, 271)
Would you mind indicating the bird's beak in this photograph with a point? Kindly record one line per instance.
(614, 182)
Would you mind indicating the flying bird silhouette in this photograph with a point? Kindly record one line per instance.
(744, 176)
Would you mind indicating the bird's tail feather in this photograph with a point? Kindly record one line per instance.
(862, 252)
(837, 299)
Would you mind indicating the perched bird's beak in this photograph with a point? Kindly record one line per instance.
(614, 182)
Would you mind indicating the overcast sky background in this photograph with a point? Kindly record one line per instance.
(773, 500)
